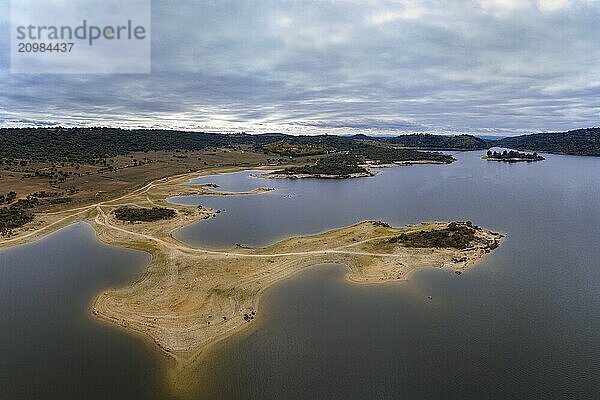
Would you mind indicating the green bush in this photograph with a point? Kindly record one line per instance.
(133, 214)
(456, 235)
(337, 164)
(11, 218)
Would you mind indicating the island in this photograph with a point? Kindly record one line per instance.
(512, 156)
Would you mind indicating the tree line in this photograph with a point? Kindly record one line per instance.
(511, 155)
(135, 214)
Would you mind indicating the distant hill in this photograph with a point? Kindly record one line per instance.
(580, 142)
(490, 138)
(84, 144)
(360, 136)
(440, 142)
(88, 144)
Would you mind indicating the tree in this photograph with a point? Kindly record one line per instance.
(11, 196)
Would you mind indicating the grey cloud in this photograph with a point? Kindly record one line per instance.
(311, 67)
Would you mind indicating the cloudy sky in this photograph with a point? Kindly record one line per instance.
(373, 66)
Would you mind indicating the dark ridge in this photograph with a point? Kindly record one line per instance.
(580, 142)
(85, 144)
(440, 142)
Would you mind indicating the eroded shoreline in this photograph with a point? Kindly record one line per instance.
(190, 298)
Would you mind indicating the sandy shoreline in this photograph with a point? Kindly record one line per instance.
(189, 299)
(46, 223)
(183, 318)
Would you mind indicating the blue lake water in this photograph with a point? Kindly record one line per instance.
(524, 324)
(52, 347)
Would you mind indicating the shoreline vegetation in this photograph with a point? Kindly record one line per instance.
(53, 169)
(142, 214)
(337, 166)
(512, 156)
(190, 298)
(49, 170)
(355, 163)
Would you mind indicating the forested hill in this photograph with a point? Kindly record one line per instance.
(439, 142)
(581, 142)
(82, 144)
(85, 144)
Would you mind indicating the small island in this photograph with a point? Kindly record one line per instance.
(512, 156)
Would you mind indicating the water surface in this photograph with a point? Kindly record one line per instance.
(524, 324)
(52, 347)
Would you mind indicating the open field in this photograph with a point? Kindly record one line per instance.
(87, 184)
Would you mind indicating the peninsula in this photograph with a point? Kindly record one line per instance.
(337, 166)
(355, 162)
(189, 297)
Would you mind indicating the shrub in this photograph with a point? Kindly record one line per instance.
(133, 214)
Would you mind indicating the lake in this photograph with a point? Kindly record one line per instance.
(523, 324)
(52, 347)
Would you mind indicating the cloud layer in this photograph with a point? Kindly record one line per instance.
(479, 66)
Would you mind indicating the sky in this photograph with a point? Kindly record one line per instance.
(486, 67)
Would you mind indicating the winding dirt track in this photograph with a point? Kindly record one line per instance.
(189, 298)
(102, 219)
(73, 213)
